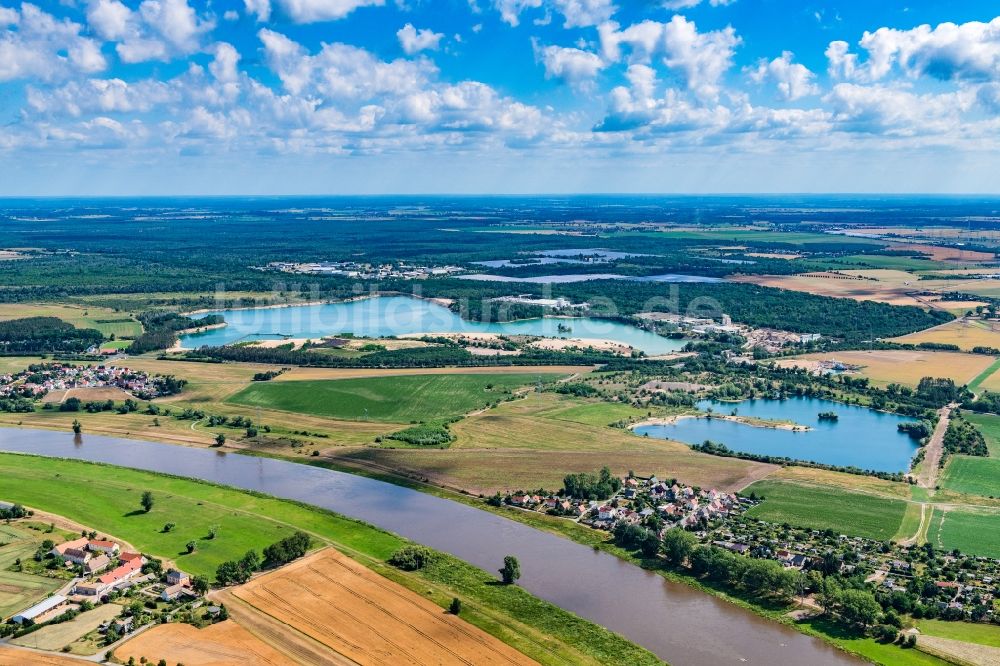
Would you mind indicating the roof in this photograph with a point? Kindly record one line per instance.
(101, 543)
(42, 606)
(75, 543)
(128, 556)
(120, 572)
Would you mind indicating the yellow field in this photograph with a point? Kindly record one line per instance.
(222, 644)
(13, 657)
(102, 319)
(55, 636)
(966, 333)
(296, 374)
(356, 613)
(900, 366)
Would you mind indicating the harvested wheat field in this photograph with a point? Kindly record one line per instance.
(901, 366)
(87, 394)
(367, 618)
(13, 657)
(844, 284)
(222, 644)
(966, 333)
(959, 652)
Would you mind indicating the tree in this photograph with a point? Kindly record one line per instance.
(220, 439)
(456, 606)
(858, 607)
(511, 570)
(169, 526)
(146, 501)
(199, 584)
(678, 545)
(77, 427)
(191, 546)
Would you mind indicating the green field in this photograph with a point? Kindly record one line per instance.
(975, 533)
(106, 498)
(887, 654)
(842, 511)
(981, 634)
(399, 399)
(989, 425)
(19, 590)
(973, 475)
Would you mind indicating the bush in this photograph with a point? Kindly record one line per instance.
(411, 558)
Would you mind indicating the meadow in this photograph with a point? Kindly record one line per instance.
(976, 532)
(106, 498)
(844, 512)
(107, 321)
(399, 399)
(899, 366)
(973, 475)
(19, 590)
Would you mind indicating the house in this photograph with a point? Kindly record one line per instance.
(123, 625)
(129, 556)
(519, 500)
(76, 544)
(175, 577)
(48, 606)
(607, 512)
(174, 592)
(95, 589)
(76, 556)
(102, 546)
(99, 563)
(121, 574)
(581, 510)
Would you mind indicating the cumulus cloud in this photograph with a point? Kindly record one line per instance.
(414, 41)
(794, 80)
(687, 4)
(312, 11)
(156, 30)
(259, 8)
(576, 13)
(575, 66)
(894, 111)
(948, 52)
(36, 45)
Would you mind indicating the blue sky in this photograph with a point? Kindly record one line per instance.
(497, 96)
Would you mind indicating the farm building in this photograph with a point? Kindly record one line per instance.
(40, 609)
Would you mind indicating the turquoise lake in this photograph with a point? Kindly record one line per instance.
(402, 315)
(860, 437)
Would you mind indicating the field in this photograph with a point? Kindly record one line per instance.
(105, 320)
(966, 333)
(537, 628)
(536, 441)
(367, 618)
(391, 399)
(56, 636)
(971, 531)
(222, 644)
(844, 512)
(973, 475)
(989, 425)
(901, 366)
(13, 657)
(19, 590)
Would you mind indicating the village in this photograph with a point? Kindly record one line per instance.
(908, 578)
(363, 270)
(107, 593)
(42, 379)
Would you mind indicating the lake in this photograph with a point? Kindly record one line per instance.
(860, 436)
(678, 623)
(567, 278)
(403, 315)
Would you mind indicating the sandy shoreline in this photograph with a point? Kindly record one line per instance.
(745, 420)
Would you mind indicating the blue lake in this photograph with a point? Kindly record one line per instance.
(585, 277)
(861, 437)
(402, 315)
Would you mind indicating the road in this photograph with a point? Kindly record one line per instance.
(930, 467)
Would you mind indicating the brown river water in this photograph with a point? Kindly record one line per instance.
(681, 625)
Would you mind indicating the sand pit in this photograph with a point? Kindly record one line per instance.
(222, 644)
(367, 618)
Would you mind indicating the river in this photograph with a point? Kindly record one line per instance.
(683, 626)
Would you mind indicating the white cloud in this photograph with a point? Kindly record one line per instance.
(313, 11)
(510, 10)
(894, 111)
(687, 4)
(260, 8)
(584, 13)
(700, 59)
(108, 18)
(231, 15)
(414, 41)
(574, 66)
(36, 45)
(794, 80)
(948, 52)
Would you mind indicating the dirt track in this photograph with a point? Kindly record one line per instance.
(367, 618)
(929, 470)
